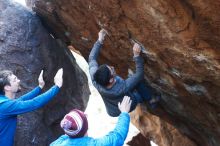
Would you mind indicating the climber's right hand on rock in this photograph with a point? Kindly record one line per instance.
(136, 49)
(102, 34)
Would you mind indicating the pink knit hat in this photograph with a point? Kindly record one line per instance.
(75, 123)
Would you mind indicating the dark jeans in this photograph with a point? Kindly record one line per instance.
(140, 93)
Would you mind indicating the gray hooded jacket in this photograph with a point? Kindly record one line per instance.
(111, 96)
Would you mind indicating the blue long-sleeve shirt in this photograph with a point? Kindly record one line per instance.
(111, 96)
(113, 138)
(9, 109)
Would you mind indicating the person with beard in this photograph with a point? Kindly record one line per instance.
(10, 106)
(113, 88)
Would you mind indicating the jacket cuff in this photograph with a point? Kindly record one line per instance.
(99, 43)
(125, 114)
(136, 58)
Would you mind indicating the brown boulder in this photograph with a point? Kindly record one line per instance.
(139, 140)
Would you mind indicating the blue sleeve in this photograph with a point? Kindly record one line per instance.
(132, 81)
(15, 107)
(36, 91)
(93, 65)
(119, 134)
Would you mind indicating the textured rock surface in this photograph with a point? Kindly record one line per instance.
(182, 59)
(139, 140)
(158, 130)
(26, 48)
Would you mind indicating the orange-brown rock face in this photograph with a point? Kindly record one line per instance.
(158, 130)
(139, 140)
(182, 59)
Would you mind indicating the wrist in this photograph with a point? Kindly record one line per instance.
(125, 112)
(58, 85)
(41, 86)
(136, 55)
(101, 40)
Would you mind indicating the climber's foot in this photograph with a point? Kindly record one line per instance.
(154, 101)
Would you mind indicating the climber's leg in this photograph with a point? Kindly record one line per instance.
(148, 94)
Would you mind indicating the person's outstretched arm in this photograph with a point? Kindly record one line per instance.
(134, 79)
(36, 91)
(15, 107)
(119, 134)
(93, 65)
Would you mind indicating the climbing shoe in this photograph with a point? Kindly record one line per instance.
(154, 101)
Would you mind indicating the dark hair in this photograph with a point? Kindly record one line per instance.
(4, 80)
(102, 75)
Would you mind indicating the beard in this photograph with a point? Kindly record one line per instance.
(114, 74)
(19, 89)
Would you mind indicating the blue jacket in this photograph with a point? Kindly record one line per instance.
(113, 138)
(122, 87)
(9, 109)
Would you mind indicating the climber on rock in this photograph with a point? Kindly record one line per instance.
(112, 87)
(10, 106)
(75, 126)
